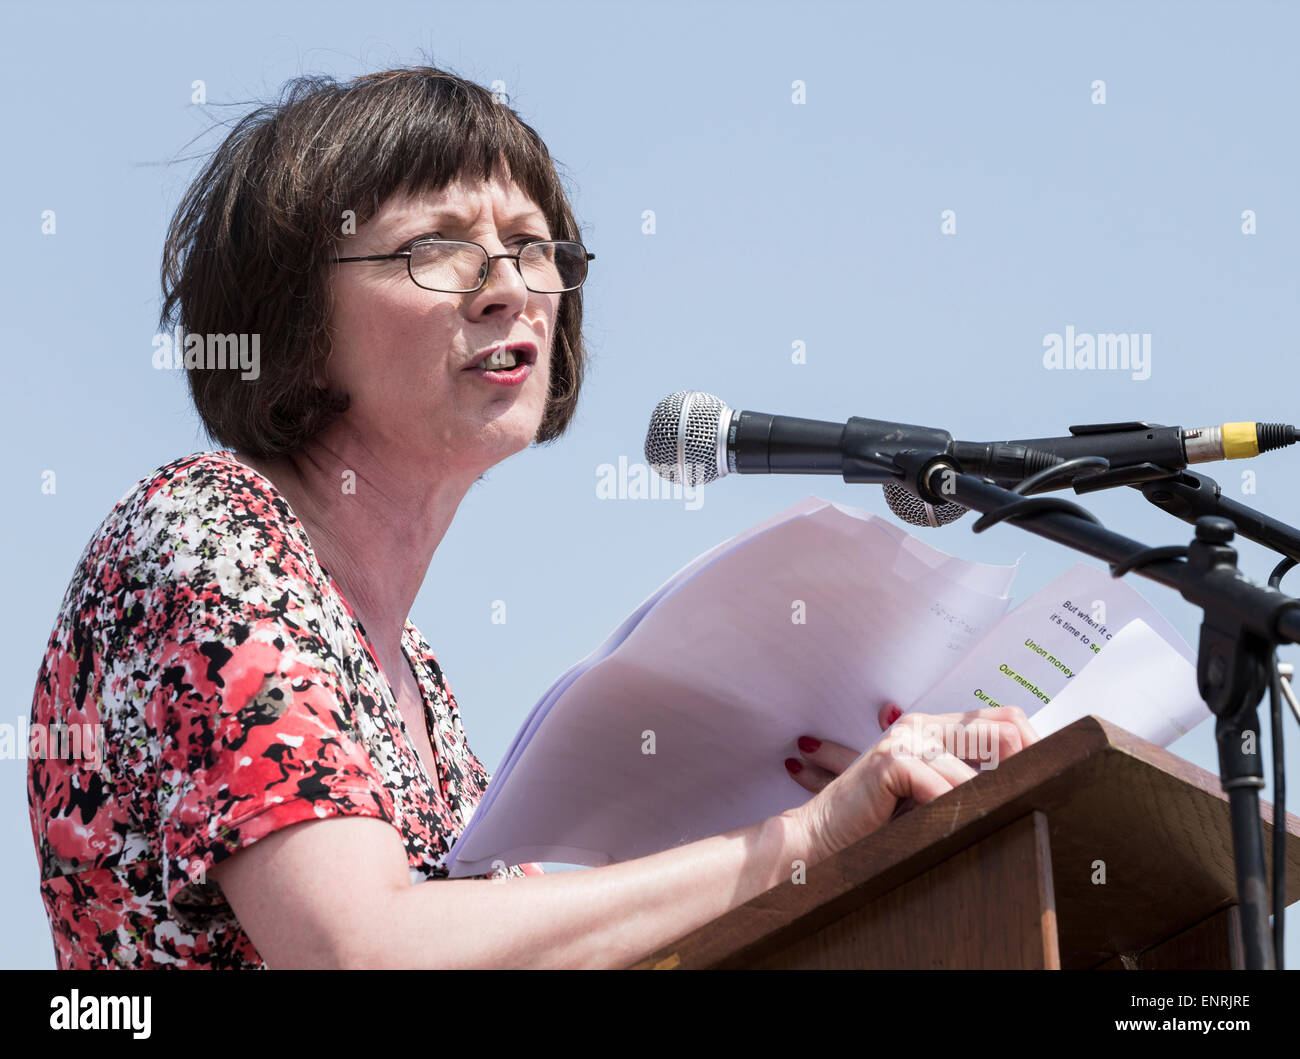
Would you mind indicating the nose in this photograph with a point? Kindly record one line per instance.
(505, 289)
(511, 266)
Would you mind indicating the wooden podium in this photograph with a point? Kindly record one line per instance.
(1006, 871)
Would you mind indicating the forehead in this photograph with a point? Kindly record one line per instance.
(466, 204)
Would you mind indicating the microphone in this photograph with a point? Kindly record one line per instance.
(1126, 445)
(695, 438)
(917, 511)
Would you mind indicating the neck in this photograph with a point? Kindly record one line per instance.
(374, 521)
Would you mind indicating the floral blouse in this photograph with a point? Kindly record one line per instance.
(205, 684)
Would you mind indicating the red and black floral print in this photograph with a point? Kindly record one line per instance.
(237, 694)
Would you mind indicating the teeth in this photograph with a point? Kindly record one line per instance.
(502, 358)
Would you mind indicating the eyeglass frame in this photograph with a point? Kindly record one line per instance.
(488, 272)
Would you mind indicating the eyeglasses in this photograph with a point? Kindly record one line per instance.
(455, 266)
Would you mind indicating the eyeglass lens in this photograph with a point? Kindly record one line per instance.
(547, 267)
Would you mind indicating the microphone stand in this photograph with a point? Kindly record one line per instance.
(1191, 497)
(1187, 496)
(1242, 624)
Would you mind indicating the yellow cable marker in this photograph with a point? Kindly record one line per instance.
(1240, 441)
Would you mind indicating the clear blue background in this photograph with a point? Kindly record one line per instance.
(776, 223)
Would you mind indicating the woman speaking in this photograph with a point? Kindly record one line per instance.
(282, 758)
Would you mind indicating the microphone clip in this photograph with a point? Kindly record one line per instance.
(930, 475)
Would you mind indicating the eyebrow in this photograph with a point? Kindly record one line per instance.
(447, 215)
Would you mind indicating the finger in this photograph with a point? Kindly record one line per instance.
(919, 781)
(986, 742)
(1012, 729)
(1012, 715)
(1015, 716)
(928, 744)
(810, 777)
(887, 714)
(833, 757)
(909, 777)
(1025, 726)
(951, 767)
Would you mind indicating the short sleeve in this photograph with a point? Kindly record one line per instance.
(249, 714)
(254, 737)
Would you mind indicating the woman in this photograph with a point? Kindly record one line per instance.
(283, 759)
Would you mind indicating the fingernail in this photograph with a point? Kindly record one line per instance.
(894, 714)
(793, 765)
(808, 744)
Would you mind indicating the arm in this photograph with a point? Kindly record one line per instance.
(337, 893)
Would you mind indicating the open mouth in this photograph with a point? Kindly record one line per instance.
(507, 358)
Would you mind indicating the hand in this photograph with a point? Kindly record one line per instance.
(920, 757)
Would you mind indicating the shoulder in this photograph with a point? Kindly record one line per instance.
(203, 494)
(190, 546)
(210, 515)
(206, 495)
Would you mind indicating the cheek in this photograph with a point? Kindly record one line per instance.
(547, 365)
(551, 321)
(390, 341)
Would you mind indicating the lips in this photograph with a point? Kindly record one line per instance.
(525, 353)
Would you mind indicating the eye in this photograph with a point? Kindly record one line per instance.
(518, 240)
(411, 242)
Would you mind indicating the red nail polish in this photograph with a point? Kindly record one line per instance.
(894, 714)
(793, 765)
(808, 744)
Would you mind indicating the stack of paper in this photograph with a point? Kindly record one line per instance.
(675, 728)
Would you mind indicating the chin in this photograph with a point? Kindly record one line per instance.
(511, 433)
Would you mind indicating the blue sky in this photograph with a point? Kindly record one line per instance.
(776, 223)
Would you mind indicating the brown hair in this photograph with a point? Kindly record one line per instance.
(249, 247)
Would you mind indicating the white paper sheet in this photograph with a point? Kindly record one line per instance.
(1139, 682)
(809, 622)
(1047, 641)
(674, 729)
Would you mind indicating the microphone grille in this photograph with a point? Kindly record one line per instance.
(682, 442)
(917, 512)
